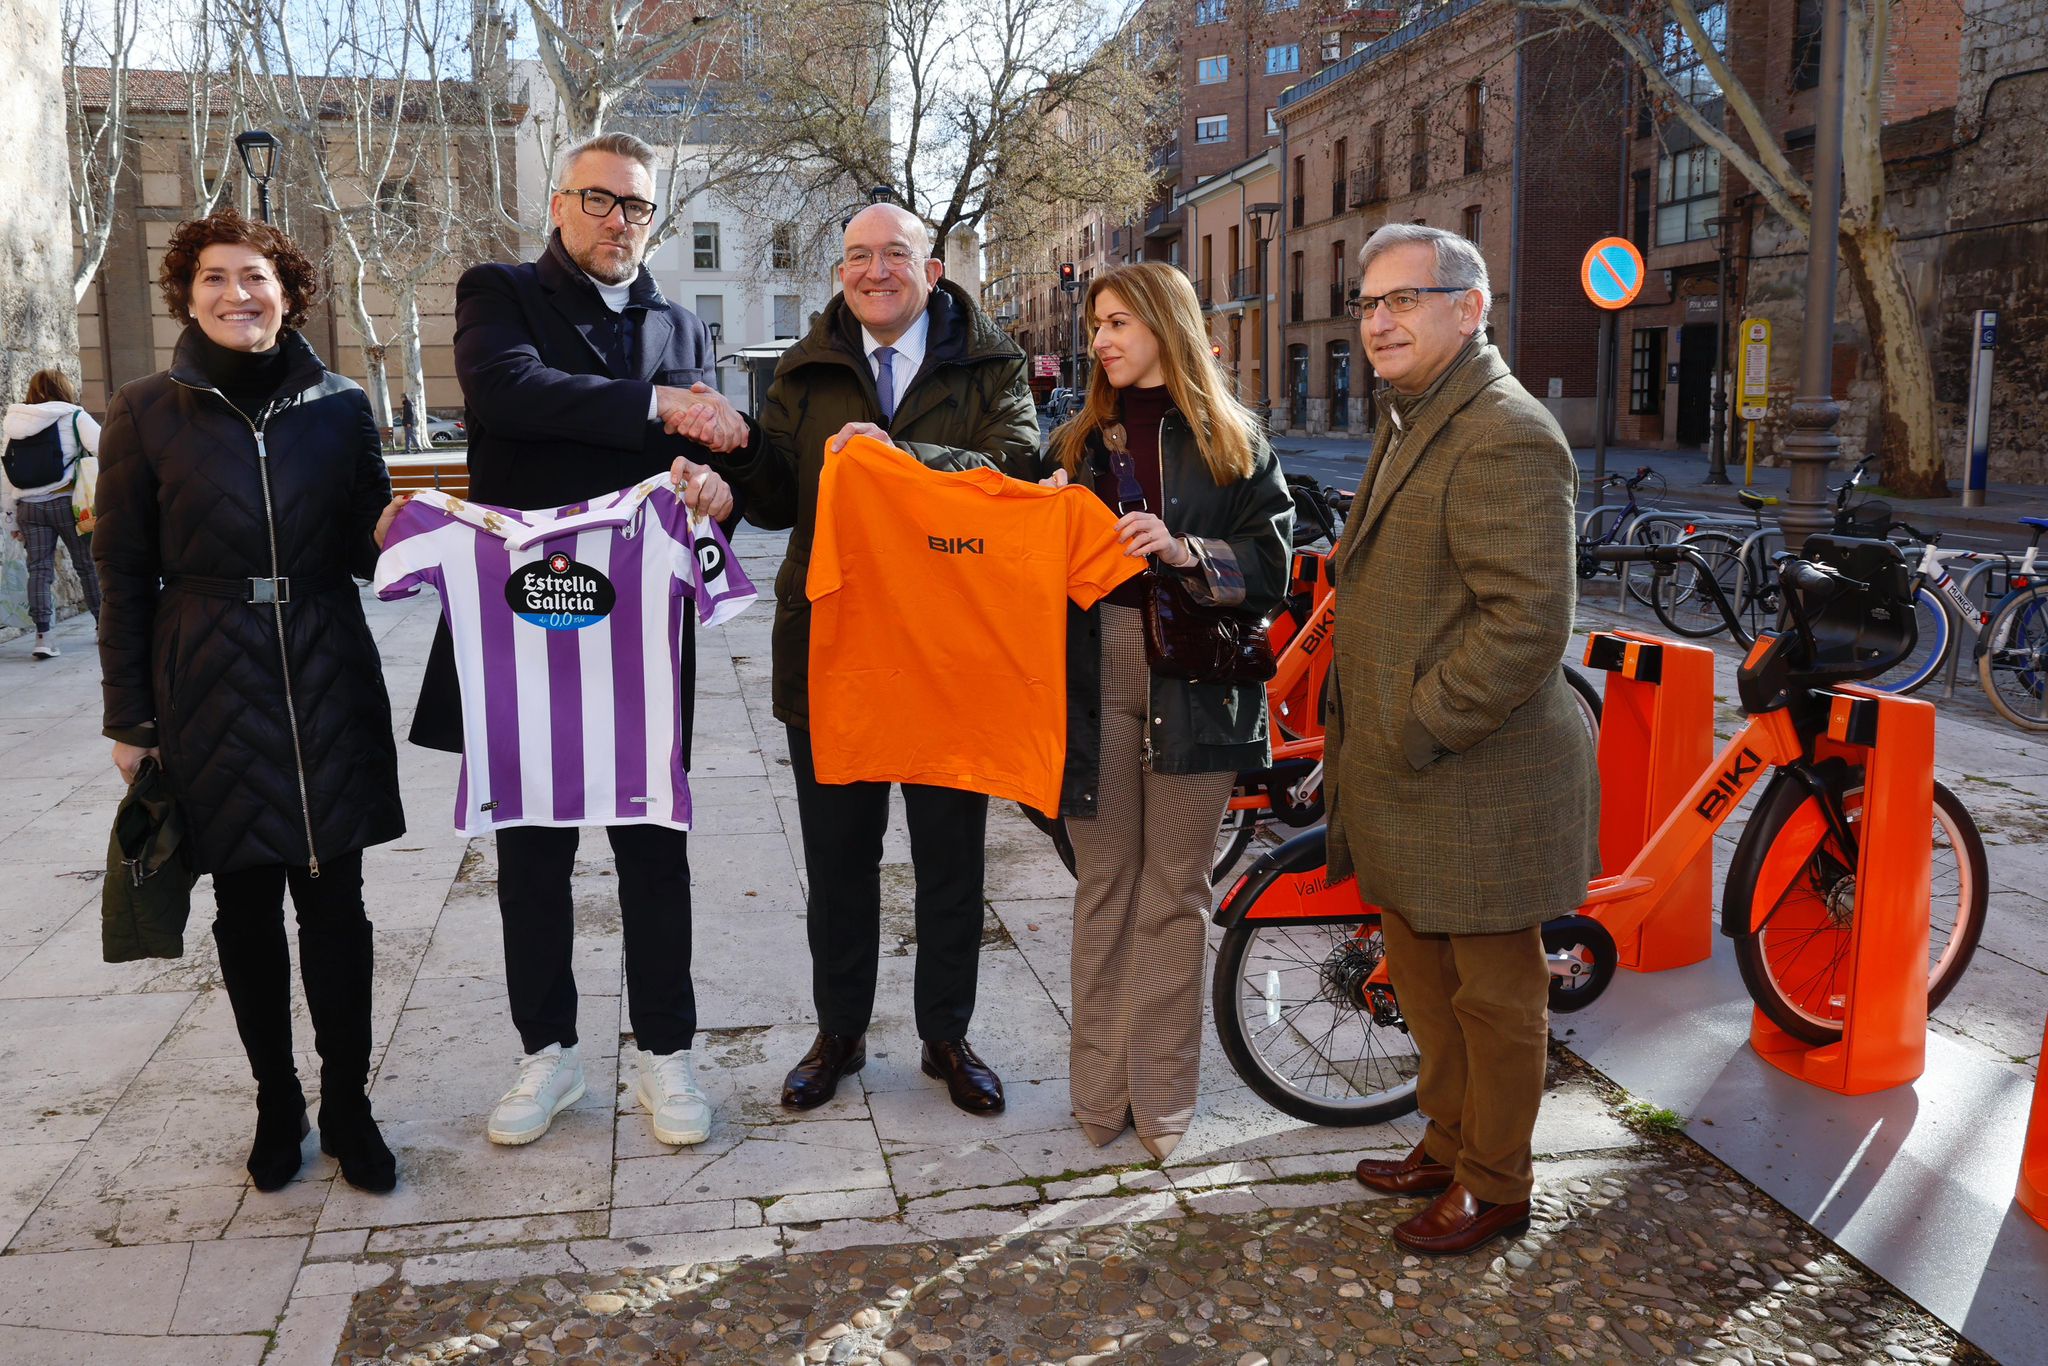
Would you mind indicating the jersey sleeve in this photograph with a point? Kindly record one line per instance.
(723, 588)
(1096, 562)
(410, 560)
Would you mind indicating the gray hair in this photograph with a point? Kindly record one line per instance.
(615, 144)
(1458, 262)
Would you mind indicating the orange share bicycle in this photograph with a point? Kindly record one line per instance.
(1288, 792)
(1305, 1010)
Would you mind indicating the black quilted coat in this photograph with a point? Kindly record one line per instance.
(279, 750)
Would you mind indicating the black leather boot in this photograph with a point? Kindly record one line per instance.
(281, 1128)
(335, 961)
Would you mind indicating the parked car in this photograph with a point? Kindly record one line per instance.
(446, 431)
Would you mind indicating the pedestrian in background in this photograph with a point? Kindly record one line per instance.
(1151, 759)
(408, 417)
(1461, 785)
(906, 357)
(41, 516)
(569, 365)
(242, 489)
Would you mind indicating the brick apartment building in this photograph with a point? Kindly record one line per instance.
(1477, 117)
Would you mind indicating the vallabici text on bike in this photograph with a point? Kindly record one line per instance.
(1303, 1006)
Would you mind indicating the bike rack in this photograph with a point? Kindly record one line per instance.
(1656, 739)
(1884, 1025)
(2033, 1191)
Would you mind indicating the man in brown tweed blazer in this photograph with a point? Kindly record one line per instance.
(1461, 782)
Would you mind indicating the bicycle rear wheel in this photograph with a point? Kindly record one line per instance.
(2012, 667)
(1796, 964)
(1681, 598)
(1930, 652)
(1639, 577)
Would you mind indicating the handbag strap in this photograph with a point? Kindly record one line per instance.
(1130, 494)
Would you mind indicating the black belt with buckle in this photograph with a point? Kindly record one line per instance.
(255, 590)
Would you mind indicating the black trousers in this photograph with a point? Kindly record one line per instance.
(335, 960)
(534, 864)
(843, 825)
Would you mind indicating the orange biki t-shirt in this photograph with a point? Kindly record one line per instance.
(939, 622)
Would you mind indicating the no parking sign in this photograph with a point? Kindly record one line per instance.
(1612, 273)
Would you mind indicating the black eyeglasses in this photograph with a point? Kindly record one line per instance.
(600, 203)
(1396, 300)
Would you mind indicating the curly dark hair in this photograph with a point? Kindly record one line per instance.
(297, 275)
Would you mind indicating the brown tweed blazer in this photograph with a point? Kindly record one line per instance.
(1461, 783)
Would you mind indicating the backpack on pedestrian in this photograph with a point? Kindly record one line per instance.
(35, 461)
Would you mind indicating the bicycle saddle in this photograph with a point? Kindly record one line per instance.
(2041, 522)
(1750, 498)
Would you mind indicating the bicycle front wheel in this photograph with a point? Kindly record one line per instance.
(1795, 958)
(1930, 652)
(1639, 577)
(1682, 600)
(1291, 1014)
(2013, 665)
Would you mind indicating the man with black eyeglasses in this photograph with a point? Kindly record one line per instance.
(580, 379)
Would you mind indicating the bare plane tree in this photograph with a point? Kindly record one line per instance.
(1641, 29)
(96, 38)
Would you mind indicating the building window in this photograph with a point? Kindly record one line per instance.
(787, 307)
(1639, 210)
(711, 310)
(1212, 70)
(1333, 47)
(1272, 5)
(1646, 372)
(1806, 46)
(1216, 129)
(704, 245)
(400, 201)
(1211, 11)
(1682, 62)
(1475, 127)
(782, 251)
(1272, 122)
(1688, 194)
(1418, 150)
(1281, 60)
(1473, 216)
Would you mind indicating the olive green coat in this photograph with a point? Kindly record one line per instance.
(969, 404)
(1461, 782)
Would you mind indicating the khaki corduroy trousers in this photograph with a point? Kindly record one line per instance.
(1141, 911)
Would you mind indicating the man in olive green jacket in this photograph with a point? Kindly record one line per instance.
(1461, 782)
(904, 356)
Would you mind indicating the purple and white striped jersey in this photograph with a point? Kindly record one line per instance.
(568, 633)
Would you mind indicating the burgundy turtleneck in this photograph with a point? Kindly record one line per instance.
(1141, 411)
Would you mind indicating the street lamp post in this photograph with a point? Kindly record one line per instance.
(1073, 291)
(1722, 227)
(258, 150)
(1264, 217)
(1812, 444)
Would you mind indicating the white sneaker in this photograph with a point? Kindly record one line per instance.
(44, 650)
(550, 1081)
(675, 1104)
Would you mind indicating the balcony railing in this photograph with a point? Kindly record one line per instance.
(1244, 283)
(1201, 284)
(1339, 292)
(1337, 195)
(1294, 309)
(1300, 203)
(1369, 188)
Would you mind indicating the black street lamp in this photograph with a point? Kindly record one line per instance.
(1721, 228)
(258, 151)
(1264, 218)
(1811, 443)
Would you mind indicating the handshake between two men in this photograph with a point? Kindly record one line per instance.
(701, 414)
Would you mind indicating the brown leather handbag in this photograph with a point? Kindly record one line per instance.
(1185, 638)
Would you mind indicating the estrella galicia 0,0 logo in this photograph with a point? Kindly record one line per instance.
(559, 594)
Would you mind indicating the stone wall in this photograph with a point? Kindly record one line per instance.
(38, 323)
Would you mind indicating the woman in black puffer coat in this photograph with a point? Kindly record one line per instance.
(239, 491)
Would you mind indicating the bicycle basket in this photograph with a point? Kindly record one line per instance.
(1858, 632)
(1867, 520)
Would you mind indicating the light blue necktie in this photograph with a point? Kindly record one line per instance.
(885, 381)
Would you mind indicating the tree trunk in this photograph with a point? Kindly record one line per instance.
(1906, 434)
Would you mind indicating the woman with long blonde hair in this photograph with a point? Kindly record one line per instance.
(1150, 758)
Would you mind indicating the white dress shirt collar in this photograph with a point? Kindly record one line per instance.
(909, 348)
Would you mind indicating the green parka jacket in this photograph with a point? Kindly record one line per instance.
(968, 405)
(1244, 530)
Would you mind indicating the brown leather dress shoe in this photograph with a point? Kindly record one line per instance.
(973, 1085)
(1414, 1174)
(815, 1080)
(1459, 1221)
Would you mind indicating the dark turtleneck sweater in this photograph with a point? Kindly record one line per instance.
(1141, 411)
(247, 379)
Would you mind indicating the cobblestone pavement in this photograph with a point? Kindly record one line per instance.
(1659, 1254)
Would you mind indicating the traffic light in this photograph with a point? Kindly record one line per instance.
(1216, 350)
(1067, 280)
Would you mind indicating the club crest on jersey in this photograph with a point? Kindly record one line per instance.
(559, 594)
(710, 559)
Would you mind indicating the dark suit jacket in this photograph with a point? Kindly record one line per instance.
(549, 423)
